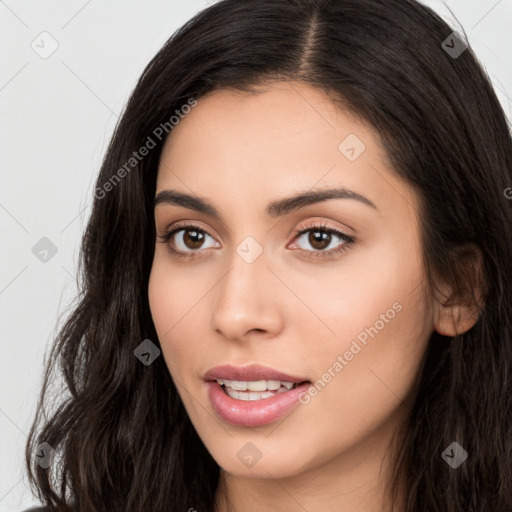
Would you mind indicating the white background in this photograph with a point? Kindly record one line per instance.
(57, 116)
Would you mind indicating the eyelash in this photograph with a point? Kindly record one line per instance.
(348, 240)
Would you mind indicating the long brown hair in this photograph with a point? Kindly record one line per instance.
(122, 438)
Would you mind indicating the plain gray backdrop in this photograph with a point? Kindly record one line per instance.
(67, 68)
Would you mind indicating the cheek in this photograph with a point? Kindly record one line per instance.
(375, 332)
(377, 359)
(174, 299)
(365, 285)
(171, 293)
(166, 308)
(160, 297)
(364, 374)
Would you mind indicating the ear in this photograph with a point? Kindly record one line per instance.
(457, 311)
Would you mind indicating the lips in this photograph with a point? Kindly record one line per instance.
(252, 372)
(253, 413)
(252, 409)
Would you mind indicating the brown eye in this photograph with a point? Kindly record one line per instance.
(319, 239)
(186, 240)
(193, 239)
(322, 240)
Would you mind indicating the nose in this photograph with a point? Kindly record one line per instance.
(247, 300)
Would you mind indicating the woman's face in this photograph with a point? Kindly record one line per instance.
(341, 306)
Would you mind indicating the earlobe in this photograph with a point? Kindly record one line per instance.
(456, 319)
(457, 311)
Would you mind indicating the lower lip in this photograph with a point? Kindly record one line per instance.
(255, 412)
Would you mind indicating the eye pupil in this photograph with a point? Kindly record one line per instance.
(196, 238)
(319, 237)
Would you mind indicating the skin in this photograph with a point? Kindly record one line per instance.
(288, 309)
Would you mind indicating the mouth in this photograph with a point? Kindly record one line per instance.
(249, 408)
(253, 395)
(257, 389)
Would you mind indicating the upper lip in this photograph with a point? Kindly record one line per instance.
(248, 373)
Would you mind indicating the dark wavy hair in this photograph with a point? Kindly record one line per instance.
(121, 437)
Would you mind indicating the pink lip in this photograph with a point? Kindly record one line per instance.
(250, 372)
(253, 413)
(257, 412)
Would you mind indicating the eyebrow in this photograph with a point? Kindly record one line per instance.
(274, 209)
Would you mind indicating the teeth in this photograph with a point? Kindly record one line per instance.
(242, 395)
(273, 384)
(258, 386)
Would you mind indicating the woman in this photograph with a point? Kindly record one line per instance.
(296, 276)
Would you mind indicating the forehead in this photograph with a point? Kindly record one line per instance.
(289, 106)
(288, 136)
(288, 121)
